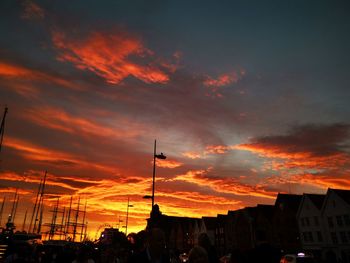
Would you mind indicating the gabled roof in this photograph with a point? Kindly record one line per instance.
(289, 201)
(344, 194)
(316, 199)
(210, 222)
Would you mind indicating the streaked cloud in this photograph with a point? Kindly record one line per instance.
(223, 184)
(168, 163)
(58, 119)
(21, 73)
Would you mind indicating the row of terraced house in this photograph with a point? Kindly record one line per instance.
(314, 223)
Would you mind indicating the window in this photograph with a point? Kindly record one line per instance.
(334, 237)
(330, 222)
(339, 220)
(308, 237)
(307, 221)
(343, 237)
(319, 236)
(311, 238)
(347, 220)
(305, 237)
(316, 221)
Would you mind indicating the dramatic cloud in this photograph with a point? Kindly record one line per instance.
(58, 119)
(317, 154)
(20, 73)
(112, 56)
(222, 184)
(89, 88)
(32, 152)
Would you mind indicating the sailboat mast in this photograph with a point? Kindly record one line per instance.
(35, 206)
(2, 208)
(2, 127)
(41, 200)
(24, 221)
(13, 205)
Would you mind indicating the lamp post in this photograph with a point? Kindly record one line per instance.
(127, 217)
(155, 156)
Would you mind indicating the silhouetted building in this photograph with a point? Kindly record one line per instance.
(311, 226)
(285, 226)
(336, 216)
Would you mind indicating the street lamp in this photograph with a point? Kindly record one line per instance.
(155, 156)
(127, 217)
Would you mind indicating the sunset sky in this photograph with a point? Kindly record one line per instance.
(245, 98)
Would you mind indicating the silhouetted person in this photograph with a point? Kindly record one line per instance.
(198, 255)
(155, 250)
(204, 242)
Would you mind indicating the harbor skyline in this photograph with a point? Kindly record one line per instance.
(245, 99)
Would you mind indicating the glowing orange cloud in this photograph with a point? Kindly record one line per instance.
(41, 154)
(210, 149)
(17, 72)
(324, 181)
(223, 185)
(304, 160)
(224, 79)
(58, 119)
(109, 56)
(168, 163)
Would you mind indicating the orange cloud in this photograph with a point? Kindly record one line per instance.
(40, 154)
(223, 185)
(324, 181)
(224, 79)
(192, 155)
(110, 57)
(210, 149)
(294, 160)
(17, 72)
(58, 119)
(168, 163)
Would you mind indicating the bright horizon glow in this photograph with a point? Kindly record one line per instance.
(246, 101)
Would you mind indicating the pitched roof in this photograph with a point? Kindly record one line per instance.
(288, 200)
(210, 222)
(344, 194)
(316, 199)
